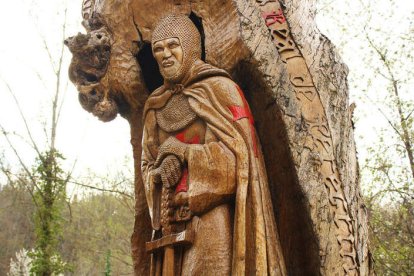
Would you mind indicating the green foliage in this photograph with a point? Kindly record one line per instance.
(16, 223)
(392, 238)
(42, 186)
(49, 197)
(96, 232)
(108, 264)
(45, 264)
(98, 224)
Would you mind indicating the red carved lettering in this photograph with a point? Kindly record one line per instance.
(273, 17)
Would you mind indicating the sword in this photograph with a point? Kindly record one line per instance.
(170, 237)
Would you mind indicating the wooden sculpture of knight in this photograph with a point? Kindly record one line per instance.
(203, 170)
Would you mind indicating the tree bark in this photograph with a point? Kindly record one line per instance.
(296, 85)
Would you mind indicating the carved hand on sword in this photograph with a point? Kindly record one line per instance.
(173, 232)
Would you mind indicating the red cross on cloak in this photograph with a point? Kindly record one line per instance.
(240, 112)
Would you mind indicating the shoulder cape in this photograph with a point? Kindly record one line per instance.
(217, 100)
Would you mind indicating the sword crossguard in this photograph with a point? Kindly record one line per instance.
(184, 238)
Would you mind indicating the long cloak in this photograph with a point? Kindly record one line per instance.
(217, 100)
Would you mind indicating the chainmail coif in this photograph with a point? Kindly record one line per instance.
(181, 27)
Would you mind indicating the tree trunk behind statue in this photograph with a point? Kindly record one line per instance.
(296, 87)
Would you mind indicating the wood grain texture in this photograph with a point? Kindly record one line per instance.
(296, 85)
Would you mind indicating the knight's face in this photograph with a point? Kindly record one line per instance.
(169, 55)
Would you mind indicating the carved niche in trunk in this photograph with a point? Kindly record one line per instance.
(296, 86)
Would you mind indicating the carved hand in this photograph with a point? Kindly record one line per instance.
(169, 172)
(171, 146)
(180, 199)
(178, 208)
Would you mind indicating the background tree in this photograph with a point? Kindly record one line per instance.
(46, 180)
(99, 224)
(96, 222)
(36, 181)
(17, 227)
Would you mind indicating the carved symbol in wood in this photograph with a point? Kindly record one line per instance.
(320, 139)
(273, 17)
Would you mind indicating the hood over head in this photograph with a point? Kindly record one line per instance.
(181, 27)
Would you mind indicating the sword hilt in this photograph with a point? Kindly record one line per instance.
(166, 195)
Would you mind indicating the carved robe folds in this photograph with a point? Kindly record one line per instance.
(222, 174)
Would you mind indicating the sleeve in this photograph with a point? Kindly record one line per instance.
(212, 176)
(216, 169)
(149, 154)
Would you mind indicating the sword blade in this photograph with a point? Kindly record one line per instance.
(168, 268)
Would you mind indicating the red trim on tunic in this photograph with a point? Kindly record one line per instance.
(182, 186)
(193, 140)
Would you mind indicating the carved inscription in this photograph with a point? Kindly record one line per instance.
(273, 17)
(319, 137)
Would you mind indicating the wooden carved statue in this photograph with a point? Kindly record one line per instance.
(216, 191)
(202, 165)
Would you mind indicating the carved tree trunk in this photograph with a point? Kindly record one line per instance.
(296, 86)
